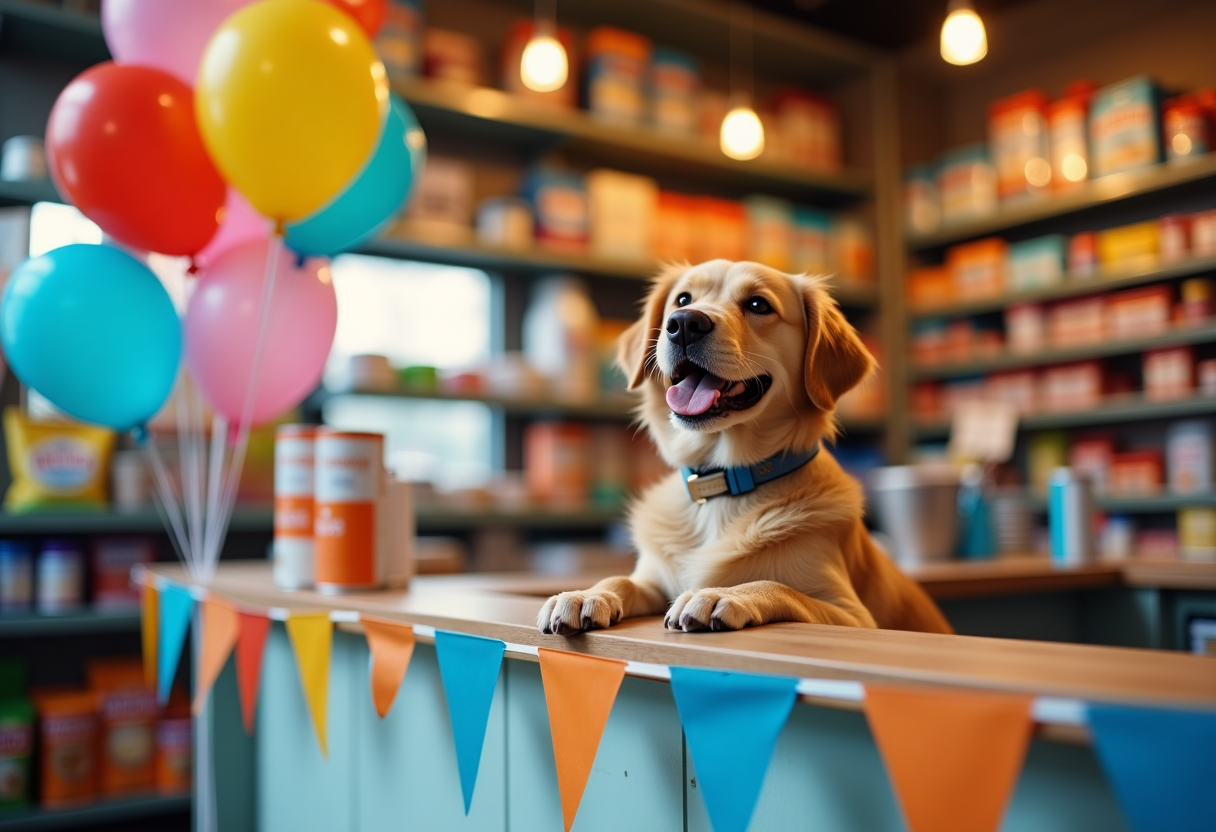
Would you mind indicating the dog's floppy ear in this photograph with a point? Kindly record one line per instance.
(637, 343)
(836, 360)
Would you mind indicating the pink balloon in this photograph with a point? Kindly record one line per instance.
(222, 321)
(241, 224)
(166, 34)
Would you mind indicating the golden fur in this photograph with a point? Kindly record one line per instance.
(795, 548)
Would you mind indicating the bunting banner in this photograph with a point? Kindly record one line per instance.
(579, 693)
(469, 668)
(174, 609)
(221, 626)
(312, 637)
(1161, 763)
(953, 757)
(740, 712)
(250, 647)
(391, 645)
(148, 625)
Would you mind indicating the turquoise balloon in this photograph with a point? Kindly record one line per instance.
(93, 330)
(372, 197)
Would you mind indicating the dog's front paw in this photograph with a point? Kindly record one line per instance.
(709, 609)
(574, 612)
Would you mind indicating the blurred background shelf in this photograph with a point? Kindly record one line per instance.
(51, 31)
(1096, 193)
(1011, 361)
(74, 623)
(1149, 504)
(1074, 286)
(432, 520)
(88, 817)
(615, 408)
(27, 193)
(1117, 410)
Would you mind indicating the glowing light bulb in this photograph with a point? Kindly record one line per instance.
(742, 135)
(544, 67)
(964, 40)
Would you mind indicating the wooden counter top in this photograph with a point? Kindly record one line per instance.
(505, 607)
(1034, 573)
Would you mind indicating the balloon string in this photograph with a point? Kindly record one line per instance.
(245, 424)
(168, 501)
(219, 439)
(185, 452)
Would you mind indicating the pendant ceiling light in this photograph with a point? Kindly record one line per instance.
(964, 40)
(742, 134)
(544, 66)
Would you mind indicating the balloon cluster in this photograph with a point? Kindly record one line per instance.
(222, 131)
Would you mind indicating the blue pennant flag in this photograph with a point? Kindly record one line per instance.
(731, 724)
(469, 667)
(1162, 764)
(176, 606)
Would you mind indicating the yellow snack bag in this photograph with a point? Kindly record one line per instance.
(55, 464)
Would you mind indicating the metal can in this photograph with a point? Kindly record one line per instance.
(294, 546)
(60, 577)
(349, 479)
(16, 576)
(1070, 517)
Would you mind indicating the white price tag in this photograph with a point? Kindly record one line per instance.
(983, 431)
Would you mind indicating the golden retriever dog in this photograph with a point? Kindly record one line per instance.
(740, 368)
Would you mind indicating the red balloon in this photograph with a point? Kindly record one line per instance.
(369, 14)
(124, 147)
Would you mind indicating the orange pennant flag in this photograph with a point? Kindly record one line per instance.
(149, 627)
(221, 624)
(579, 692)
(391, 644)
(312, 637)
(953, 757)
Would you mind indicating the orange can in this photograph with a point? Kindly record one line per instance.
(349, 478)
(68, 734)
(294, 546)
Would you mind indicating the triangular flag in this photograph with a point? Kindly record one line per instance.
(579, 692)
(220, 628)
(953, 757)
(469, 667)
(173, 617)
(312, 637)
(148, 626)
(250, 647)
(391, 645)
(1162, 764)
(741, 713)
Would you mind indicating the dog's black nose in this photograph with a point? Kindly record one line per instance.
(686, 326)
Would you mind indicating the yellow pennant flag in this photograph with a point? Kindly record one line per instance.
(312, 639)
(221, 624)
(149, 626)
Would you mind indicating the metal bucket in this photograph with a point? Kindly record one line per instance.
(917, 508)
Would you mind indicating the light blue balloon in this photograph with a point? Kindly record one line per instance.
(372, 197)
(93, 330)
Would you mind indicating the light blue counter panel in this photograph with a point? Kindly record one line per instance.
(635, 782)
(234, 752)
(1062, 789)
(825, 776)
(298, 789)
(408, 780)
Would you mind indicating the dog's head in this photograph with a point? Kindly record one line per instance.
(738, 361)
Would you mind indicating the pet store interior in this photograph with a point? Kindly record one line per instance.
(344, 381)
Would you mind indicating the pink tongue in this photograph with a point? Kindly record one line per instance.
(695, 394)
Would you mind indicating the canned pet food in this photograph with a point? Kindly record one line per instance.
(349, 477)
(294, 546)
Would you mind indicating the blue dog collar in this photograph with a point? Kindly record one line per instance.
(741, 479)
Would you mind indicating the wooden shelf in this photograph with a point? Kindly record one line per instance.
(615, 408)
(95, 814)
(1011, 361)
(1073, 286)
(82, 622)
(108, 521)
(1156, 504)
(1113, 411)
(51, 31)
(1098, 192)
(436, 519)
(495, 116)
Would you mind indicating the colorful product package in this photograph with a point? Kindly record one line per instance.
(399, 41)
(1124, 128)
(966, 184)
(1017, 132)
(55, 463)
(1036, 263)
(174, 747)
(618, 64)
(127, 712)
(770, 229)
(675, 84)
(621, 208)
(16, 736)
(68, 747)
(559, 203)
(812, 241)
(113, 560)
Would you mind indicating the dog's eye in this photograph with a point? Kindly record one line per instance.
(757, 305)
(683, 299)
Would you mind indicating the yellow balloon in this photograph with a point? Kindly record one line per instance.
(290, 100)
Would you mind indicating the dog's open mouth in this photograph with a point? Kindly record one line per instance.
(696, 394)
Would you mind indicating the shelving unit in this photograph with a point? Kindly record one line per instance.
(1149, 504)
(85, 817)
(73, 623)
(1179, 336)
